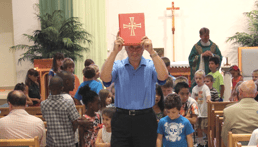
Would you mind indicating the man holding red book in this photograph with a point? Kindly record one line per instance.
(134, 123)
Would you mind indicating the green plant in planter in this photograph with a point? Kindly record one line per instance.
(56, 35)
(251, 38)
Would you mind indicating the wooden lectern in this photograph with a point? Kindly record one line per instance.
(43, 66)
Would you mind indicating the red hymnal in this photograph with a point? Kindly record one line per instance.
(131, 28)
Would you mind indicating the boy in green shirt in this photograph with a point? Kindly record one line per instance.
(218, 79)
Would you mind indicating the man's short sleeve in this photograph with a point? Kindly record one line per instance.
(72, 112)
(161, 126)
(113, 74)
(188, 128)
(155, 77)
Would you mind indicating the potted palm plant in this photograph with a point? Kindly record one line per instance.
(251, 38)
(57, 34)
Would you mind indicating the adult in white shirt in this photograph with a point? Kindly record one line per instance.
(18, 124)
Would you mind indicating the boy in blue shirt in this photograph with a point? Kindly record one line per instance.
(174, 129)
(89, 74)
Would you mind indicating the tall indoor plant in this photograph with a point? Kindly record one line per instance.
(57, 34)
(250, 38)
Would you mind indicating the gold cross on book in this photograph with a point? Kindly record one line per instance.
(132, 25)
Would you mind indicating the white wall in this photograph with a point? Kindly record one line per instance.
(223, 17)
(24, 22)
(7, 62)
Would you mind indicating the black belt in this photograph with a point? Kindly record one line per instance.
(134, 112)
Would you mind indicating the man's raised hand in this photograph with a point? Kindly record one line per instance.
(118, 44)
(147, 44)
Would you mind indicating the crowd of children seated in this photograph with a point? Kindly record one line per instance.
(175, 107)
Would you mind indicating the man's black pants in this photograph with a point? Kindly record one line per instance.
(134, 130)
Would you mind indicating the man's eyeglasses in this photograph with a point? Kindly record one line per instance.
(135, 48)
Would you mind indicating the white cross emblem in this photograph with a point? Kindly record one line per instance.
(132, 25)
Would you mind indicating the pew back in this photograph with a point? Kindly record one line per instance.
(219, 122)
(233, 139)
(20, 142)
(37, 110)
(215, 108)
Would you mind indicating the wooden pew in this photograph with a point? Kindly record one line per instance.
(233, 139)
(213, 109)
(211, 138)
(36, 111)
(214, 128)
(20, 142)
(219, 123)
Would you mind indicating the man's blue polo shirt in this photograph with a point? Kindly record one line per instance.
(135, 89)
(94, 86)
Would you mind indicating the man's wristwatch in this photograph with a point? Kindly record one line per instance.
(153, 55)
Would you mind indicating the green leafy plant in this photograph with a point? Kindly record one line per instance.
(251, 38)
(57, 34)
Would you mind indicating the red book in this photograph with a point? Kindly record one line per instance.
(131, 28)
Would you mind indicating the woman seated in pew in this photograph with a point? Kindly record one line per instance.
(254, 138)
(32, 87)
